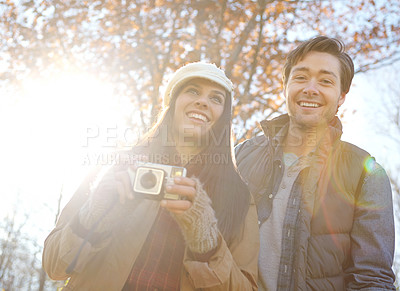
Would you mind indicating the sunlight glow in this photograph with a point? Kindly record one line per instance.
(51, 127)
(64, 110)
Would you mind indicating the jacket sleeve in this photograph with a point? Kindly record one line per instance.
(229, 268)
(72, 228)
(372, 235)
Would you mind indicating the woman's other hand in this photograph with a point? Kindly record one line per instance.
(186, 188)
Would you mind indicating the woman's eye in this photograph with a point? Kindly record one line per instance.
(192, 91)
(217, 99)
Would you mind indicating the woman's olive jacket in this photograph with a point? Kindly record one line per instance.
(106, 260)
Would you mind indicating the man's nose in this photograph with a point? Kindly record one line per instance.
(311, 88)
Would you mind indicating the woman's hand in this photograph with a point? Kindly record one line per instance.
(124, 177)
(186, 188)
(182, 186)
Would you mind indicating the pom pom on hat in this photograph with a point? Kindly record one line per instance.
(196, 70)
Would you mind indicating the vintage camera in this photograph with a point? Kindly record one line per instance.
(150, 180)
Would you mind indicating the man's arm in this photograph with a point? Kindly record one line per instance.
(372, 236)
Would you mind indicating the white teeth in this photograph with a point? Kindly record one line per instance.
(198, 116)
(309, 104)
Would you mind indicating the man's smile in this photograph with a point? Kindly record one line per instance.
(309, 104)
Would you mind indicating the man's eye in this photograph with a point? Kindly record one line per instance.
(299, 78)
(327, 81)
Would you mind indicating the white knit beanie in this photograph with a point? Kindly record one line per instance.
(196, 70)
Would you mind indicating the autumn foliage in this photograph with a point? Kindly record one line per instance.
(136, 44)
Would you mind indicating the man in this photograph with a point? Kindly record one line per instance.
(324, 205)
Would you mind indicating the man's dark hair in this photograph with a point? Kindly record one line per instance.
(326, 45)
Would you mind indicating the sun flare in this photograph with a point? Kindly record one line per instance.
(51, 129)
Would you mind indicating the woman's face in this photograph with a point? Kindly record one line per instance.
(198, 107)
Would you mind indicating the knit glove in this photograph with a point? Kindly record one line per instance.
(199, 224)
(102, 207)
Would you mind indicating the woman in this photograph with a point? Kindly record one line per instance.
(207, 239)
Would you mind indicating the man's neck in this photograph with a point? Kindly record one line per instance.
(301, 140)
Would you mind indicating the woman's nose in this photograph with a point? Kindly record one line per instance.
(201, 102)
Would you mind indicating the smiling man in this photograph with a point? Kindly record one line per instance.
(324, 205)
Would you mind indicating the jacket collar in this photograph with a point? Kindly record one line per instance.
(272, 127)
(275, 125)
(276, 129)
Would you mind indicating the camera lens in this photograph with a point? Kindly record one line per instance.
(148, 180)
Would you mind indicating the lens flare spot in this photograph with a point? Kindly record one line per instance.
(369, 164)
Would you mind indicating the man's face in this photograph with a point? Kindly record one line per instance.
(313, 93)
(198, 107)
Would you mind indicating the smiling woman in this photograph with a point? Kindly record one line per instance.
(204, 235)
(201, 104)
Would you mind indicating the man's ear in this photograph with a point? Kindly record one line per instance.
(342, 98)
